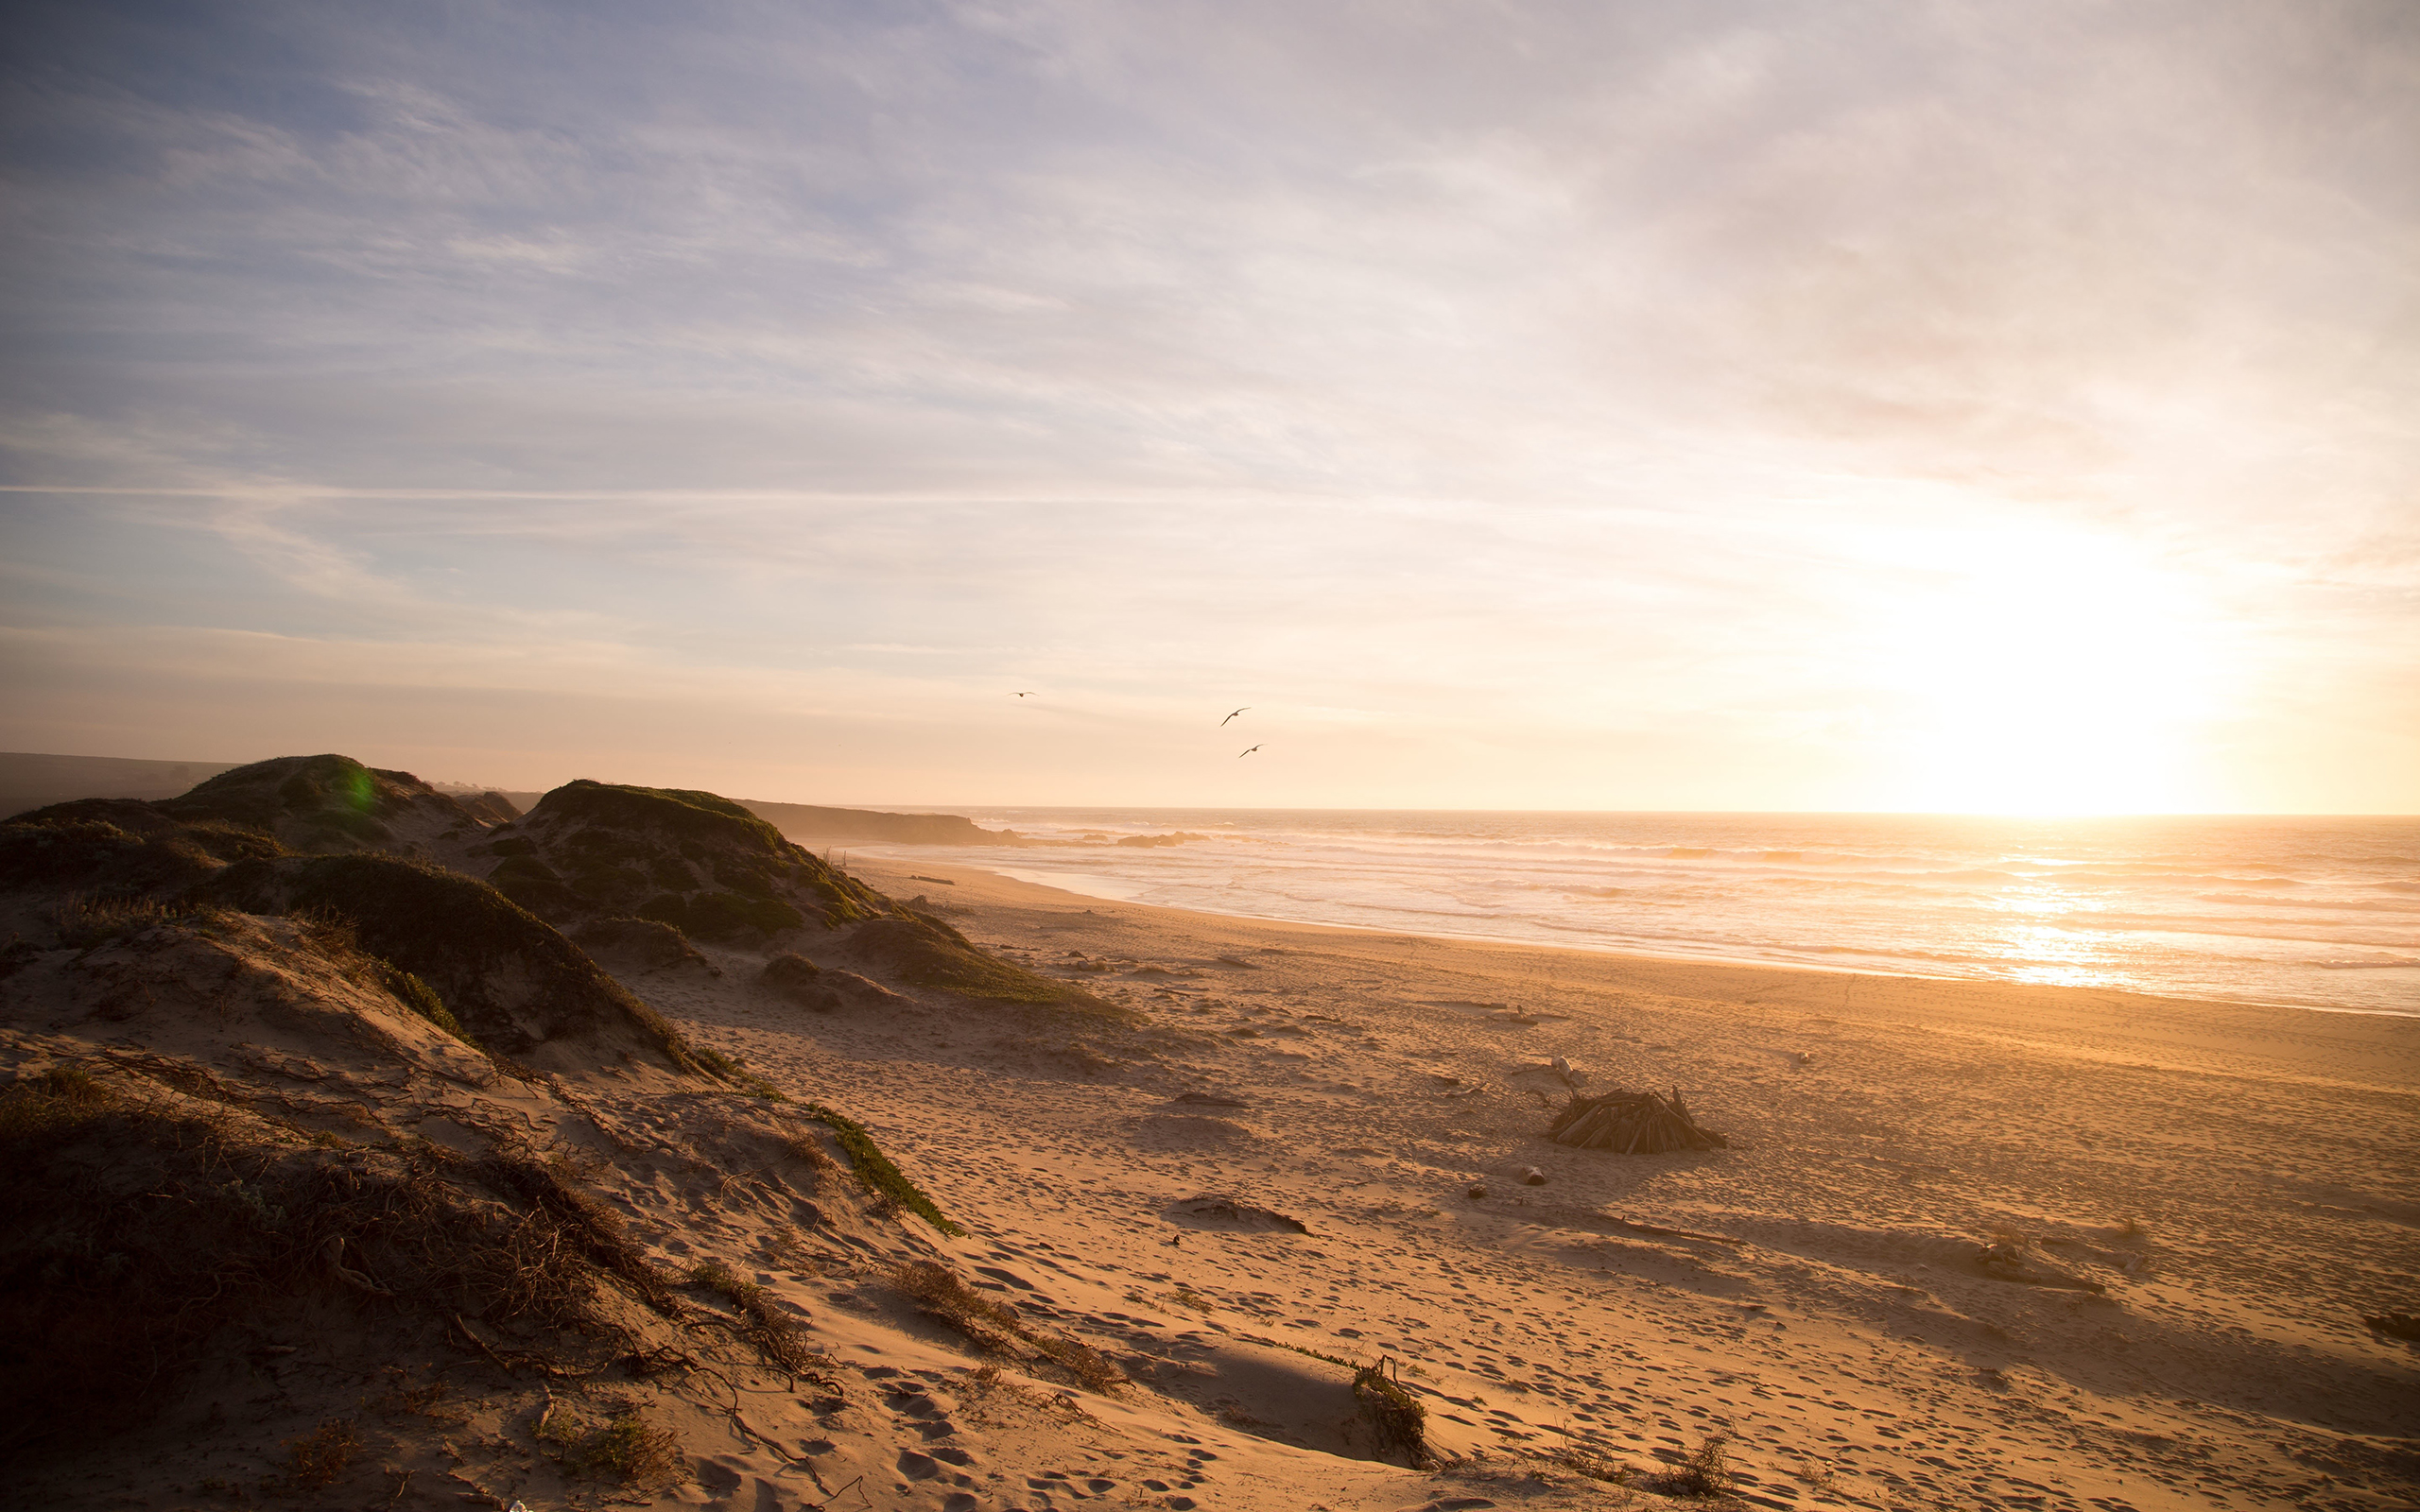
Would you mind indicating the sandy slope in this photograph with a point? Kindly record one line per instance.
(2241, 1183)
(2244, 1183)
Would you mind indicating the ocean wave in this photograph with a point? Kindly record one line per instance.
(2319, 914)
(2354, 906)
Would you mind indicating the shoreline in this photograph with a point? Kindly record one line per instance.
(1058, 882)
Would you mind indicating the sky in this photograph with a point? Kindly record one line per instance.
(1621, 405)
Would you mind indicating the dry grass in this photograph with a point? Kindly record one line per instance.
(628, 1448)
(786, 1249)
(775, 1337)
(809, 1151)
(134, 1223)
(1087, 1365)
(314, 1463)
(83, 921)
(1705, 1471)
(1596, 1467)
(941, 1294)
(631, 1450)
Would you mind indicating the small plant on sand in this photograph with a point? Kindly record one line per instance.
(876, 1171)
(1397, 1418)
(1315, 1354)
(1091, 1369)
(629, 1450)
(809, 1151)
(1704, 1471)
(940, 1292)
(421, 999)
(314, 1463)
(627, 1447)
(1596, 1467)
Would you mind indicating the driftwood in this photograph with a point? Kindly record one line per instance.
(1633, 1123)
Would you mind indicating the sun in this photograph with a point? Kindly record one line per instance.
(2052, 673)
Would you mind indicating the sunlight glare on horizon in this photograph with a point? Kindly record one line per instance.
(2054, 673)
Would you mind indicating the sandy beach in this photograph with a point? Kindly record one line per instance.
(2239, 1183)
(1969, 1245)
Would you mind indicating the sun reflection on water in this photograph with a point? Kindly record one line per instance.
(2055, 956)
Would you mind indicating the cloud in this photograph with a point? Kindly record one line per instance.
(1579, 367)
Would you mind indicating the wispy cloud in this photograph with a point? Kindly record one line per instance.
(1518, 375)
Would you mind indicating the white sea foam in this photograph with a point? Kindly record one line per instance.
(2311, 912)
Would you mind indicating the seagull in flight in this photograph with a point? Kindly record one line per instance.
(1241, 754)
(1027, 695)
(1222, 724)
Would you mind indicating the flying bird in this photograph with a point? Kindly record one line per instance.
(1021, 695)
(1222, 724)
(1241, 754)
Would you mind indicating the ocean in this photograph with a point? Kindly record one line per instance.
(2310, 913)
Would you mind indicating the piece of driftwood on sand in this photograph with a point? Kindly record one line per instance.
(1642, 1122)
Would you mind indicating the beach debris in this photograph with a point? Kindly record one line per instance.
(1642, 1123)
(1559, 1069)
(1242, 1214)
(2010, 1260)
(1616, 1223)
(1533, 1176)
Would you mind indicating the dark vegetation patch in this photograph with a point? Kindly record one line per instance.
(692, 861)
(875, 1170)
(118, 848)
(335, 937)
(627, 1448)
(796, 978)
(1398, 1422)
(642, 942)
(314, 1463)
(723, 916)
(685, 813)
(136, 1225)
(930, 952)
(319, 803)
(508, 976)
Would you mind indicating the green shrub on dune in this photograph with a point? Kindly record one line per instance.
(926, 951)
(692, 860)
